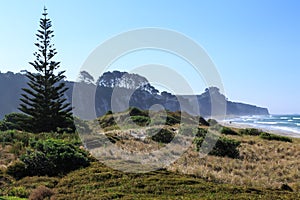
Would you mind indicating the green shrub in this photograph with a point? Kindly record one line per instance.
(141, 120)
(212, 122)
(250, 131)
(172, 120)
(203, 122)
(53, 157)
(161, 135)
(133, 111)
(201, 132)
(13, 136)
(224, 147)
(269, 136)
(19, 192)
(37, 163)
(17, 169)
(107, 121)
(228, 131)
(109, 112)
(14, 121)
(3, 126)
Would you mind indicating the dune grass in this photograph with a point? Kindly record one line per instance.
(266, 168)
(262, 163)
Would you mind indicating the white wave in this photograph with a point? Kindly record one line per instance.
(283, 117)
(293, 130)
(298, 124)
(269, 123)
(297, 118)
(290, 120)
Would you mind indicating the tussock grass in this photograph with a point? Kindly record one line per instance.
(264, 169)
(262, 163)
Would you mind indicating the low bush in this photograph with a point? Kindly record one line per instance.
(3, 126)
(224, 147)
(133, 111)
(13, 136)
(269, 136)
(19, 192)
(172, 120)
(228, 131)
(17, 169)
(201, 132)
(203, 122)
(161, 135)
(107, 121)
(140, 120)
(15, 121)
(50, 157)
(250, 131)
(212, 122)
(109, 112)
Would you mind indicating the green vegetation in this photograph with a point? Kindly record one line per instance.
(140, 120)
(212, 122)
(50, 157)
(224, 147)
(250, 131)
(249, 164)
(134, 116)
(133, 111)
(161, 135)
(43, 154)
(13, 121)
(264, 135)
(12, 198)
(269, 136)
(53, 166)
(43, 101)
(228, 131)
(99, 182)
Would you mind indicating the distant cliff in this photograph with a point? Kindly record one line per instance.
(132, 88)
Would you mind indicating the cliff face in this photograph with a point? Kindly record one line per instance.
(133, 90)
(245, 109)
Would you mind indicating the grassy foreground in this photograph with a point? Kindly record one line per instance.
(100, 182)
(266, 167)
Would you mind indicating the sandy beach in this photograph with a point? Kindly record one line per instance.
(270, 129)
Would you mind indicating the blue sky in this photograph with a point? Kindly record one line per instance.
(255, 45)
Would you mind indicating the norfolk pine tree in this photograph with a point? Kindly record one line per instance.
(43, 101)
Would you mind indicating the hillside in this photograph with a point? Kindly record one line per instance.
(245, 164)
(143, 95)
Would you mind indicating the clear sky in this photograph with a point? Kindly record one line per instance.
(254, 44)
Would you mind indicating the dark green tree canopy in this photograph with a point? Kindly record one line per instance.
(44, 100)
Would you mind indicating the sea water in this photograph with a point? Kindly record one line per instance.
(280, 123)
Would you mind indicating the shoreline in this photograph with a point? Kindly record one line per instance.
(269, 130)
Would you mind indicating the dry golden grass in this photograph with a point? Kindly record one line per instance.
(263, 163)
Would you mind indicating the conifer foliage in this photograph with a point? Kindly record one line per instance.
(43, 101)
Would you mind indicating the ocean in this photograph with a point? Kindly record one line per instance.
(284, 124)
